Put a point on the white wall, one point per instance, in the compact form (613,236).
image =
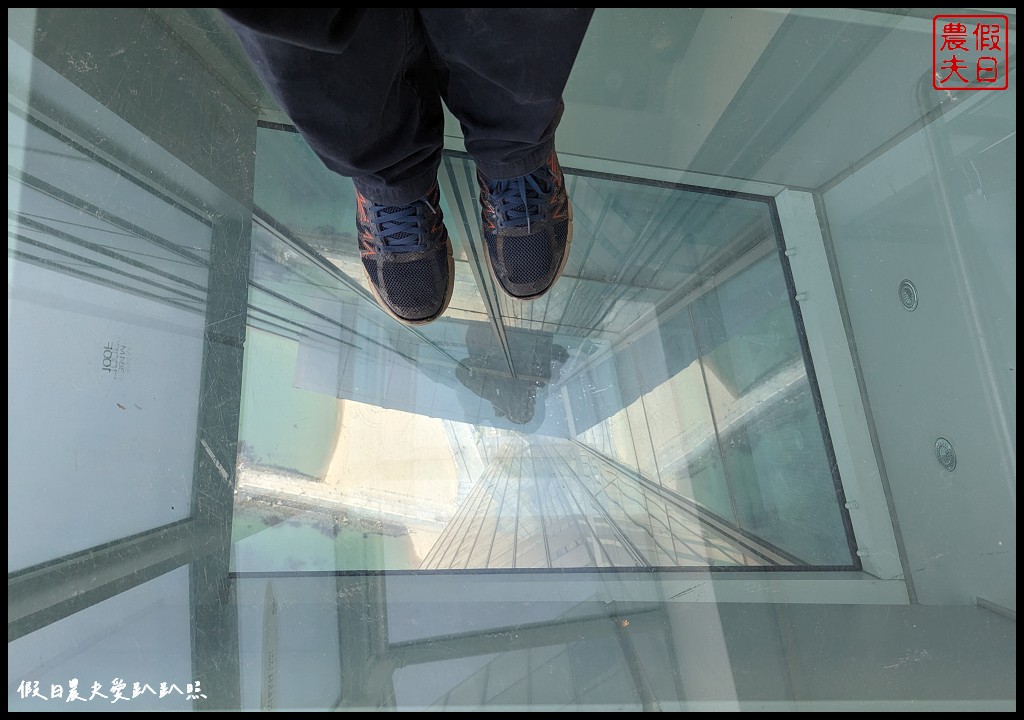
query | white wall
(939,209)
(95,453)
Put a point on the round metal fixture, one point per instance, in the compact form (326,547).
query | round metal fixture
(945,454)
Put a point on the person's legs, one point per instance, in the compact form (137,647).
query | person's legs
(502,73)
(359,86)
(363,87)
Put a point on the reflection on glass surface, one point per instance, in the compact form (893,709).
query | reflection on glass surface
(699,474)
(668,421)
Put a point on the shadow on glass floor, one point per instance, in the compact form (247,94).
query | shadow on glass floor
(653,410)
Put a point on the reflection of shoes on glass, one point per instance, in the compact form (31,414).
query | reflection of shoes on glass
(527,224)
(407,257)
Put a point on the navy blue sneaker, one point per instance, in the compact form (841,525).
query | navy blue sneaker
(527,225)
(407,256)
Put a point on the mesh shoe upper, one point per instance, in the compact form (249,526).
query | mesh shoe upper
(527,226)
(407,256)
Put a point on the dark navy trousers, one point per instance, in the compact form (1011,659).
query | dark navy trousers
(364,86)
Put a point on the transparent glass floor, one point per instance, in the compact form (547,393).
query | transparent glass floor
(653,410)
(755,450)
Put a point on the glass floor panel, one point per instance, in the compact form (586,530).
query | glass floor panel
(654,410)
(756,450)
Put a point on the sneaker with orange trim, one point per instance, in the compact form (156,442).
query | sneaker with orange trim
(407,256)
(527,227)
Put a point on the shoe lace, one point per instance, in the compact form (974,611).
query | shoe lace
(398,227)
(521,201)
